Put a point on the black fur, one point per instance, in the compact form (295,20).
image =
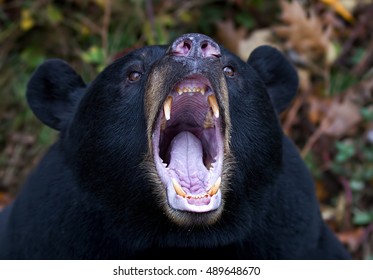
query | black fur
(90,197)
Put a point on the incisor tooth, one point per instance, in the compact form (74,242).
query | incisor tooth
(214,105)
(214,189)
(167,107)
(178,188)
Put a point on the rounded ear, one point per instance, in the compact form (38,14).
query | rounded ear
(277,73)
(53,92)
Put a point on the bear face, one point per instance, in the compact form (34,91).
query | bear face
(170,147)
(172,118)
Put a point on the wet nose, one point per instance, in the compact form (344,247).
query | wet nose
(195,45)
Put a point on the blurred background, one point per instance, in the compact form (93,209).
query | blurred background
(329,41)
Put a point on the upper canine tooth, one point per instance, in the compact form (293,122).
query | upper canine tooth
(214,105)
(167,107)
(214,189)
(178,188)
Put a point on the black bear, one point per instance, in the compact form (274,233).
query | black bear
(171,152)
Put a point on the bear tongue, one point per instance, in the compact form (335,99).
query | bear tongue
(186,162)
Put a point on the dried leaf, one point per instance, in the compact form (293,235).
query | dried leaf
(256,39)
(352,238)
(342,118)
(318,108)
(322,194)
(4,200)
(303,33)
(229,35)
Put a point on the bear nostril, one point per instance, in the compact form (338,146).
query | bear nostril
(209,48)
(183,48)
(195,45)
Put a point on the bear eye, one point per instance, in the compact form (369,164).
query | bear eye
(134,76)
(228,71)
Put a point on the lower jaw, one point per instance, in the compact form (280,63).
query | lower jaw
(180,203)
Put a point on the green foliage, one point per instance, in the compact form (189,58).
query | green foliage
(53,13)
(313,165)
(357,185)
(345,151)
(95,55)
(245,20)
(367,113)
(340,81)
(362,218)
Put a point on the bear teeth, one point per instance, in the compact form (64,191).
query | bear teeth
(211,99)
(212,191)
(167,107)
(214,105)
(182,90)
(178,188)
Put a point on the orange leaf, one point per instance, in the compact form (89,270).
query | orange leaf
(339,9)
(351,238)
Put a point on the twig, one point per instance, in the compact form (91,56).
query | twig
(291,115)
(105,29)
(365,62)
(348,195)
(150,14)
(94,28)
(312,140)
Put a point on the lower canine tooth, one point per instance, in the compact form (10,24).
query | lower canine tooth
(214,189)
(214,105)
(178,188)
(167,107)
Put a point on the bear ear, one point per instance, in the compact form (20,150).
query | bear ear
(278,74)
(53,92)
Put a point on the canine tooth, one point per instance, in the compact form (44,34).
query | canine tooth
(178,188)
(214,189)
(214,105)
(167,107)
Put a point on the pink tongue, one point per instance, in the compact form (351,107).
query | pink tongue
(186,159)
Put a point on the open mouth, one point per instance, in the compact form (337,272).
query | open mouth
(188,146)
